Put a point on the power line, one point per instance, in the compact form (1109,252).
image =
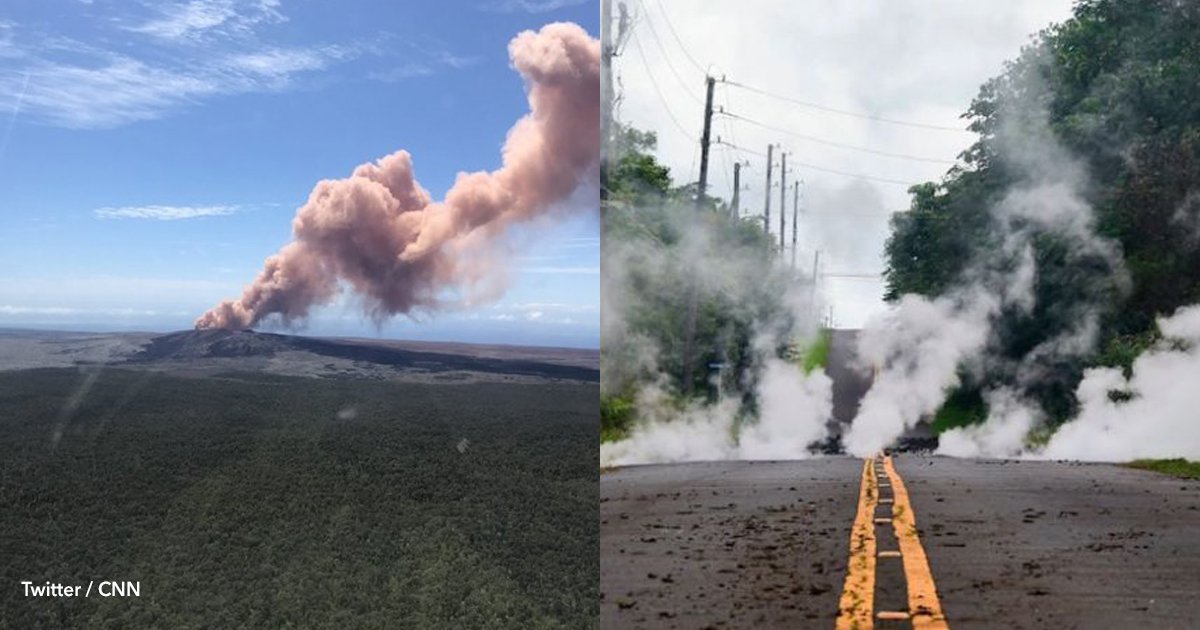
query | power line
(674,34)
(741,148)
(882,180)
(725,171)
(831,143)
(728,167)
(735,147)
(843,112)
(874,216)
(732,145)
(854,276)
(667,58)
(814,167)
(725,154)
(654,83)
(846,273)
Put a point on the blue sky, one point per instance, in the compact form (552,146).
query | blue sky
(152,154)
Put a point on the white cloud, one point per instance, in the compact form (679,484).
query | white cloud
(199,18)
(7,46)
(577,243)
(421,63)
(88,292)
(181,55)
(406,70)
(529,6)
(117,89)
(589,271)
(210,48)
(554,307)
(10,310)
(455,61)
(164,213)
(551,313)
(276,63)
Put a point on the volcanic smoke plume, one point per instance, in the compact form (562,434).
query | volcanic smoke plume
(379,231)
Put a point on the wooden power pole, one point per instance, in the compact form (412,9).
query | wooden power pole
(795,216)
(782,200)
(767,196)
(704,140)
(737,190)
(689,343)
(606,95)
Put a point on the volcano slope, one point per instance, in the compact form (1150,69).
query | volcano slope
(247,497)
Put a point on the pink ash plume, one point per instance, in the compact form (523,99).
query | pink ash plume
(381,233)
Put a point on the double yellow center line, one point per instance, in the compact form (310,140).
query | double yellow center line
(857,607)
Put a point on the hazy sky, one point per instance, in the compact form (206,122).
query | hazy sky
(915,61)
(152,154)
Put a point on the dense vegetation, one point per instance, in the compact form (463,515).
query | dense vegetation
(816,355)
(663,252)
(1177,467)
(249,501)
(1119,86)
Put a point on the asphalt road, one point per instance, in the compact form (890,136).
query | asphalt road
(1010,544)
(850,383)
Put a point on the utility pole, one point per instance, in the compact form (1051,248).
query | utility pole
(689,343)
(704,140)
(737,189)
(606,95)
(782,200)
(767,195)
(795,216)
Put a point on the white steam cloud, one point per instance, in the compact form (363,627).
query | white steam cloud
(793,407)
(1158,420)
(917,348)
(920,347)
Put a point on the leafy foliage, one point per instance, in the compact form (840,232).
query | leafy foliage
(816,355)
(249,502)
(1177,467)
(964,406)
(637,178)
(616,417)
